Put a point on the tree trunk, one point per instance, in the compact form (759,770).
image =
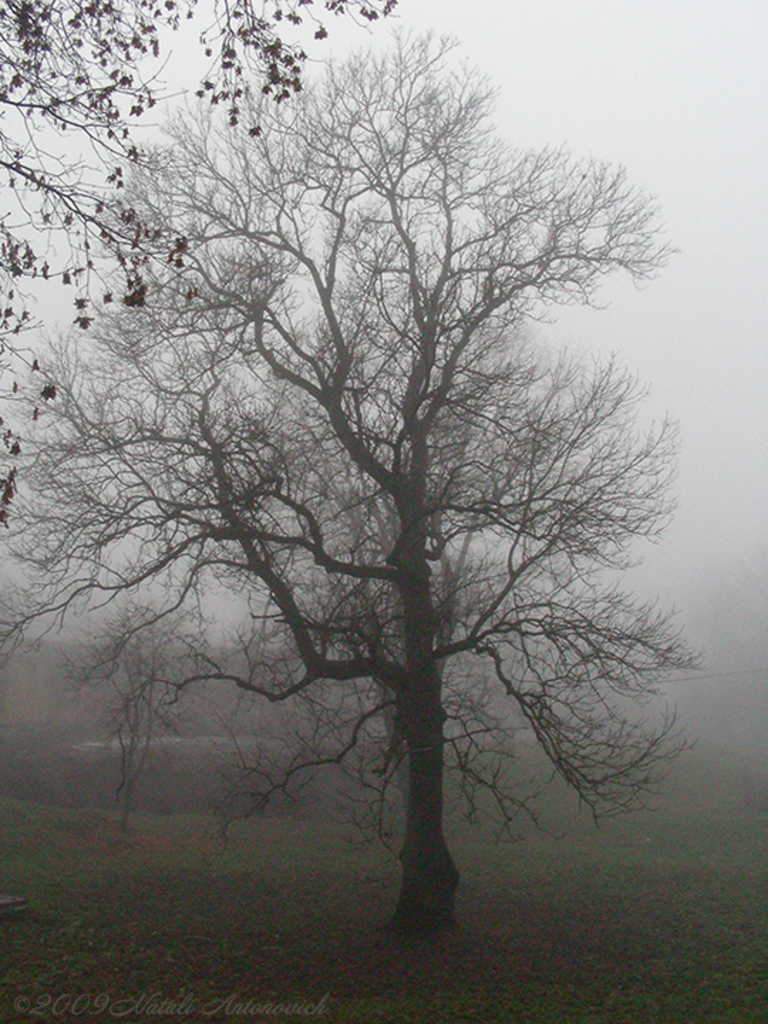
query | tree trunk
(430,878)
(401,783)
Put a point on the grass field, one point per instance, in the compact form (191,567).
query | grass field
(658,917)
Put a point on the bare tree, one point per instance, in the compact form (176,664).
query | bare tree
(333,407)
(131,670)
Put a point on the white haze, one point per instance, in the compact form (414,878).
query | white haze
(676,92)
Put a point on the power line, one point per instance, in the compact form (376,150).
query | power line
(721,675)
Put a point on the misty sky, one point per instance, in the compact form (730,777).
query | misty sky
(676,91)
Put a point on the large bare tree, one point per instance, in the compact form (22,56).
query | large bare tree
(331,409)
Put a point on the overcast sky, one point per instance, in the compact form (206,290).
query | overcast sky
(677,92)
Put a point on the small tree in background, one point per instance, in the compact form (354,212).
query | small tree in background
(331,410)
(130,670)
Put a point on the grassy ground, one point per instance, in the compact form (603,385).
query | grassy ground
(660,917)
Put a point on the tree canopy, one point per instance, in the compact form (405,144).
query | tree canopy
(333,408)
(75,79)
(90,70)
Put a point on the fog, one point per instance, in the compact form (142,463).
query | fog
(674,92)
(194,809)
